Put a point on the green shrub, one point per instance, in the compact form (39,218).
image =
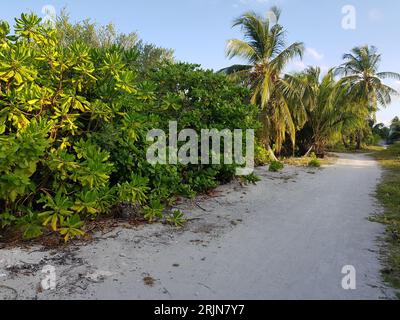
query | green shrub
(251,178)
(176,218)
(154,210)
(73,125)
(314,162)
(261,156)
(276,166)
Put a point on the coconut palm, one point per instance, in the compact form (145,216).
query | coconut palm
(329,106)
(361,71)
(264,48)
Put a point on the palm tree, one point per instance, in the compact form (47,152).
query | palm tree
(329,106)
(360,71)
(264,48)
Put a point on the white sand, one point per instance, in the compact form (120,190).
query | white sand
(286,238)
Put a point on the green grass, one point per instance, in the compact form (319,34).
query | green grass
(373,149)
(365,149)
(388,193)
(276,166)
(314,163)
(309,161)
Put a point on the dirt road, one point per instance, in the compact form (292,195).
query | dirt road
(286,238)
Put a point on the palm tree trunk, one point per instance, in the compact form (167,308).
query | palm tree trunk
(309,151)
(271,153)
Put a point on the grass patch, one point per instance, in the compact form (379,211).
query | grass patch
(352,149)
(309,161)
(373,149)
(276,166)
(388,193)
(314,163)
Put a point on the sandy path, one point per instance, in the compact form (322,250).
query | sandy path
(286,238)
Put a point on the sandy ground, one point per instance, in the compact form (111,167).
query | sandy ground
(288,237)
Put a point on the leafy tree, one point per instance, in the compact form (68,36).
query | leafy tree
(142,56)
(394,134)
(91,34)
(381,130)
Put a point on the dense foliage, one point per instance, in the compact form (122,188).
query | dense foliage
(302,112)
(330,107)
(394,131)
(73,123)
(77,102)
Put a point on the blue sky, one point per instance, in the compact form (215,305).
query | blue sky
(198,29)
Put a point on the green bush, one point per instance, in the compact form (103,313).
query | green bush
(314,162)
(276,166)
(251,178)
(261,156)
(73,125)
(176,218)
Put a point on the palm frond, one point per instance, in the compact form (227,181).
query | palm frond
(240,48)
(235,68)
(388,75)
(285,56)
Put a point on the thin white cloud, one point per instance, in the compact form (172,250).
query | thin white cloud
(313,53)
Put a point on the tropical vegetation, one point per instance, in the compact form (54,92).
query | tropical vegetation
(265,50)
(75,108)
(77,101)
(388,193)
(311,109)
